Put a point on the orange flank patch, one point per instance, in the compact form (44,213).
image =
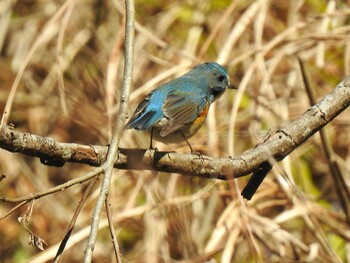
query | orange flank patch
(201,117)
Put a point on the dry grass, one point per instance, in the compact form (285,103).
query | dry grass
(62,61)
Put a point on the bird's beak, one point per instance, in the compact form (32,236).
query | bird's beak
(231,86)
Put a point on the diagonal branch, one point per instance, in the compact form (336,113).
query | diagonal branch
(277,146)
(112,154)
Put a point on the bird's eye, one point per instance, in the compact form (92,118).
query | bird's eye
(221,78)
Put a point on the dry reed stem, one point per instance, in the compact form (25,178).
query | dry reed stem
(296,198)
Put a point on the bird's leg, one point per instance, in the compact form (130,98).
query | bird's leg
(150,143)
(189,145)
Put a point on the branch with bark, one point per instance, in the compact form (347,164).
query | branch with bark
(276,147)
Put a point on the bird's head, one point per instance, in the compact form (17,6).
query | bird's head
(216,78)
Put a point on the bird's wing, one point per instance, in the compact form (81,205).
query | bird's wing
(181,108)
(144,118)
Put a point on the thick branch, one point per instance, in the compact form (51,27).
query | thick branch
(278,146)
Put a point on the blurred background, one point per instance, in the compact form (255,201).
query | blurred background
(64,60)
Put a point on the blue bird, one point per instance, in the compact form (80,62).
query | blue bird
(176,110)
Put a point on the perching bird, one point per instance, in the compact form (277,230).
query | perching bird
(176,110)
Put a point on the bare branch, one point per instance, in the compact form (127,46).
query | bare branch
(278,146)
(87,193)
(112,155)
(115,244)
(55,189)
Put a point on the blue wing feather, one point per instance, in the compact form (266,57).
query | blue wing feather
(175,100)
(148,113)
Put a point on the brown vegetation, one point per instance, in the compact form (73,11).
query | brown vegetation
(59,59)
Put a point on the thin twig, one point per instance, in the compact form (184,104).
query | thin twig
(25,199)
(14,209)
(70,228)
(118,128)
(115,244)
(55,189)
(338,178)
